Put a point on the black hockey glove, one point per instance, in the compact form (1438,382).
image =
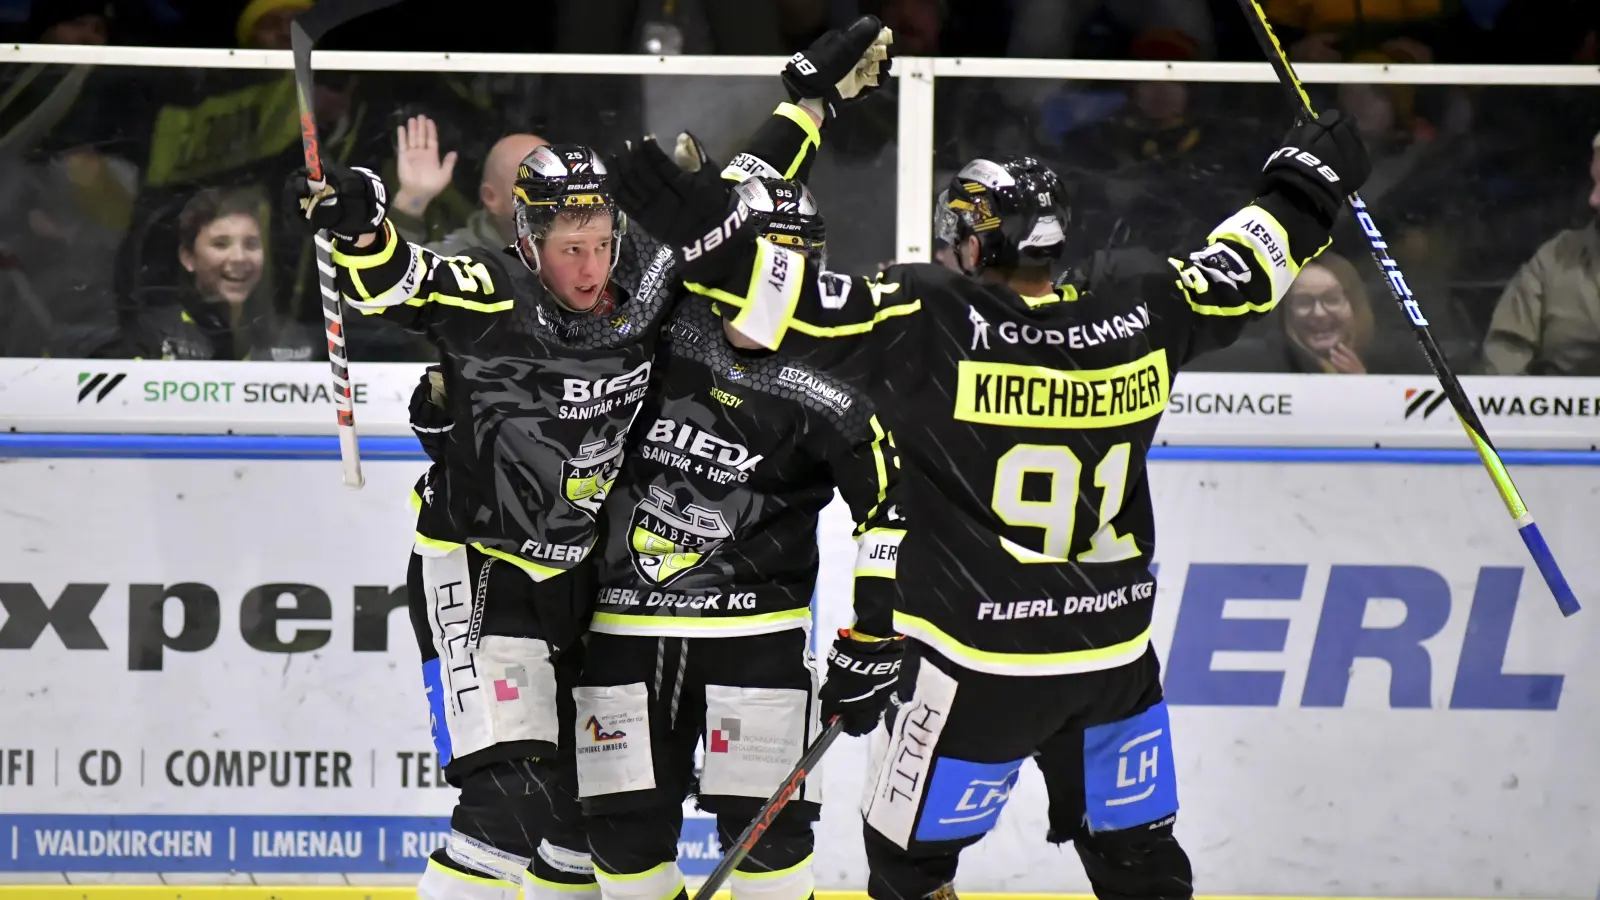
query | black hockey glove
(1321,163)
(694,212)
(352,202)
(843,65)
(861,679)
(430,417)
(661,197)
(691,156)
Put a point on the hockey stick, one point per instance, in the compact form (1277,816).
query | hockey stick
(757,827)
(1419,325)
(306,29)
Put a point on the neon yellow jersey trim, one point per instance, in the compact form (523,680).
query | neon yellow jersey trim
(813,139)
(1068,663)
(391,240)
(700,626)
(538,572)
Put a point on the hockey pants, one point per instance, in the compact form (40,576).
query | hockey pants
(499,693)
(953,747)
(643,706)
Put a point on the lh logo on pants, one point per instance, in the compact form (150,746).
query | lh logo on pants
(1146,766)
(1126,784)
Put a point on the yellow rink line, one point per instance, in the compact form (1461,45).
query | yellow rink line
(309,892)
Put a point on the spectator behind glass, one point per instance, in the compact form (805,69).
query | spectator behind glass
(1335,30)
(264,24)
(1324,324)
(423,175)
(220,313)
(1548,319)
(1327,318)
(70,21)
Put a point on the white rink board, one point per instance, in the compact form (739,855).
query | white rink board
(1216,408)
(1301,786)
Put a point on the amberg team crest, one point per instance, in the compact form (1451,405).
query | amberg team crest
(668,544)
(588,477)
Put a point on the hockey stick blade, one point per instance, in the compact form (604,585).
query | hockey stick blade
(774,805)
(1401,291)
(306,29)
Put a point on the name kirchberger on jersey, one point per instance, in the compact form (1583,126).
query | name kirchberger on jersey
(993,393)
(584,398)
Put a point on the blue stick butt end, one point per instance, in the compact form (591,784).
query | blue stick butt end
(1565,599)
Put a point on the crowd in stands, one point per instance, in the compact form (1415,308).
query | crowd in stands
(145,221)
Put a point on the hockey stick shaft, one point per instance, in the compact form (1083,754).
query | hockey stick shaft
(1401,291)
(758,827)
(304,32)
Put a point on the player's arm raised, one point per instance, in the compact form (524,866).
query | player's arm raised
(381,273)
(1250,259)
(778,296)
(864,662)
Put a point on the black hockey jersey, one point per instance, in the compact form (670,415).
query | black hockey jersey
(541,397)
(1024,422)
(711,529)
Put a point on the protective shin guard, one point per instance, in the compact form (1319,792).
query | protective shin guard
(664,882)
(635,853)
(444,881)
(560,874)
(1136,864)
(779,866)
(894,874)
(793,883)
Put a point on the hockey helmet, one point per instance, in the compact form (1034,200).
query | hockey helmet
(786,213)
(556,180)
(1015,206)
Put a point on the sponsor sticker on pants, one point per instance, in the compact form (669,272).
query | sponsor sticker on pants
(613,739)
(1128,777)
(965,798)
(754,736)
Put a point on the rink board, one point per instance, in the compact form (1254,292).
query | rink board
(1373,694)
(99,892)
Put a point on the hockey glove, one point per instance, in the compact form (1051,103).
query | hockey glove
(1320,164)
(862,674)
(657,194)
(695,212)
(430,418)
(352,201)
(691,156)
(842,65)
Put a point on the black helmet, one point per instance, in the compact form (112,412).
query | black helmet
(1015,207)
(784,212)
(557,179)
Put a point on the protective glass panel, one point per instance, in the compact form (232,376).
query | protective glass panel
(146,214)
(1468,184)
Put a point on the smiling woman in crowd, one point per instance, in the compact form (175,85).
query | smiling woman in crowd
(1323,325)
(222,311)
(1327,319)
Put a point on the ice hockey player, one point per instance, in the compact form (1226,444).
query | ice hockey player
(708,563)
(1023,413)
(546,349)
